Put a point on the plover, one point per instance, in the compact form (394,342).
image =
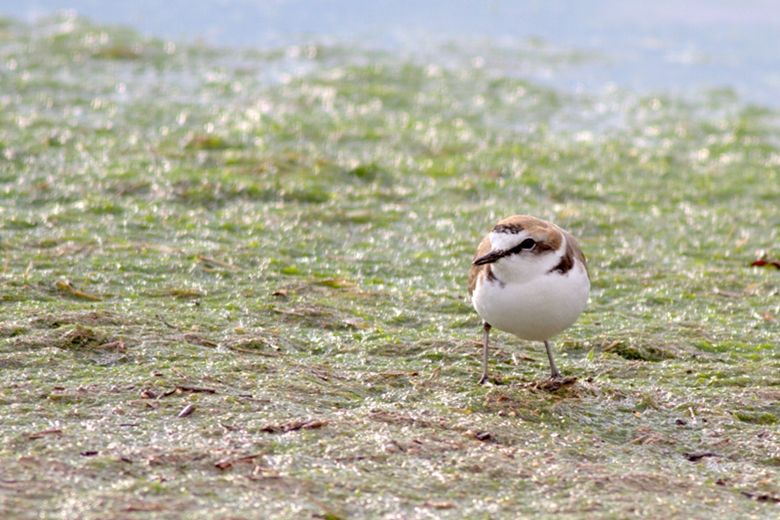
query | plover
(530,278)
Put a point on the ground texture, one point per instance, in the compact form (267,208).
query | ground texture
(234,286)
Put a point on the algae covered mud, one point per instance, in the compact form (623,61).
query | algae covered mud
(233,285)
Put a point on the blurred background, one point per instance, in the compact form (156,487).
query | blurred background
(667,45)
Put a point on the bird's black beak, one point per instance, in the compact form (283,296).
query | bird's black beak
(489,258)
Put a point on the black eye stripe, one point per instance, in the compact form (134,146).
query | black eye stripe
(526,245)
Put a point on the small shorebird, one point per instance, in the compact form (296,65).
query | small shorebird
(529,277)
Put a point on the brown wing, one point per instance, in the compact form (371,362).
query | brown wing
(482,249)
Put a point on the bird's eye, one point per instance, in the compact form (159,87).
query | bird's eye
(528,244)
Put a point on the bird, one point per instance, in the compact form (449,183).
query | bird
(530,278)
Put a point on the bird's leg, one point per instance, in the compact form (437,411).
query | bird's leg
(554,369)
(485,338)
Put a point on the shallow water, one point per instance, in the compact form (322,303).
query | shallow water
(670,46)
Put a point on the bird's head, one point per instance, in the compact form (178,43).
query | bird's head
(523,247)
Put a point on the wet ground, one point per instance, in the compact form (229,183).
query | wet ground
(234,282)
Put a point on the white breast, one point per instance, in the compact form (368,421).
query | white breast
(536,309)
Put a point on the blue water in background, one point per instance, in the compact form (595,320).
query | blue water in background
(664,45)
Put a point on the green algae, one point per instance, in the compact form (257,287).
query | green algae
(290,232)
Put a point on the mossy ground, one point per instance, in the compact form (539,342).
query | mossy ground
(282,239)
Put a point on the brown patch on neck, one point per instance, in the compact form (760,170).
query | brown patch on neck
(490,275)
(572,253)
(476,270)
(481,271)
(566,263)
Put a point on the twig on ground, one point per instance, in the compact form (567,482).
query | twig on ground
(695,457)
(761,497)
(228,463)
(187,410)
(294,425)
(44,433)
(66,287)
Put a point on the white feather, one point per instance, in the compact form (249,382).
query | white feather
(506,241)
